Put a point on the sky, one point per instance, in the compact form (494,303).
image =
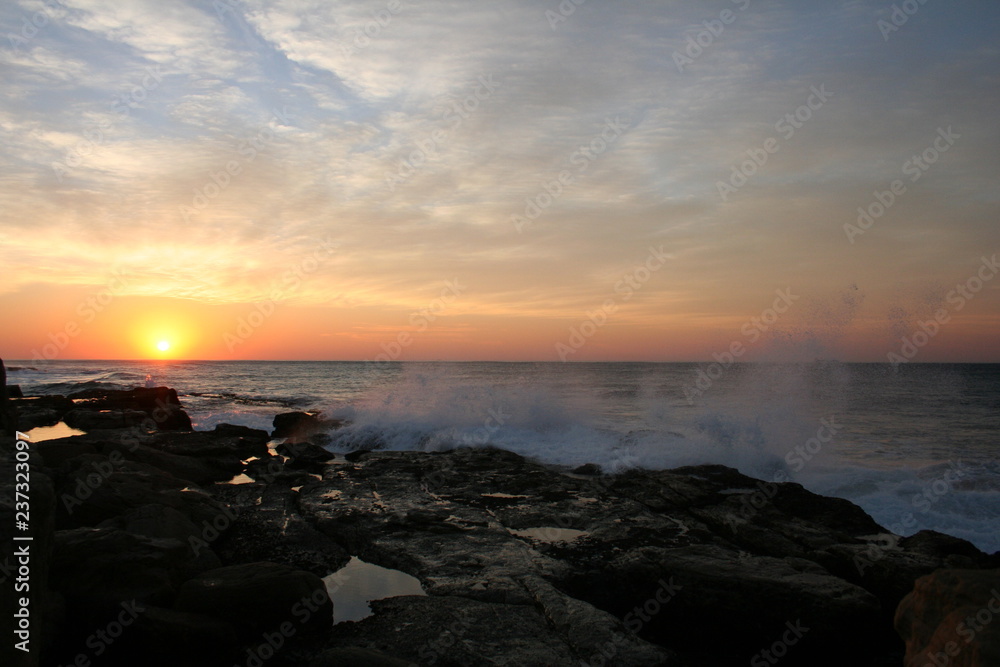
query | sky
(503,180)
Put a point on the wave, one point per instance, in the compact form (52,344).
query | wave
(777,442)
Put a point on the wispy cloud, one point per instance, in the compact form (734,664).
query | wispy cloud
(270,125)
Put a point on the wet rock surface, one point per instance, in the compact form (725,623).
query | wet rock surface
(951,617)
(522,564)
(678,558)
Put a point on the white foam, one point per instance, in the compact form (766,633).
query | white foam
(757,435)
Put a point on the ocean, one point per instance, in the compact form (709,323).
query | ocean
(917,447)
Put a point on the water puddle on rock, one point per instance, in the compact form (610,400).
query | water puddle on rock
(241,478)
(549,533)
(356,584)
(60,430)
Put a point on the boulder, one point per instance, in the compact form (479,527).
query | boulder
(92,420)
(162,522)
(37,411)
(98,569)
(952,618)
(357,657)
(166,638)
(267,526)
(297,426)
(101,488)
(260,597)
(454,631)
(59,452)
(197,469)
(160,404)
(236,431)
(305,455)
(232,443)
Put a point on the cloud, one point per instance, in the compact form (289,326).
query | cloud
(270,126)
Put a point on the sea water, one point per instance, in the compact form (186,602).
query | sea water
(915,446)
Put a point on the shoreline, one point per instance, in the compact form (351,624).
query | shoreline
(519,561)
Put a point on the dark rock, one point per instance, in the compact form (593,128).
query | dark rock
(950,619)
(268,527)
(100,488)
(234,443)
(235,431)
(305,455)
(196,469)
(260,597)
(191,456)
(36,411)
(160,521)
(265,469)
(14,390)
(92,420)
(160,404)
(746,557)
(296,426)
(56,453)
(357,657)
(321,439)
(588,469)
(455,631)
(940,546)
(99,569)
(167,638)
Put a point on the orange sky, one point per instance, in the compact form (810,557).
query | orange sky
(66,324)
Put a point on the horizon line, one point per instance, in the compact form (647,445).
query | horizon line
(43,362)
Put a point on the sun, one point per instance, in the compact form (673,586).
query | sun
(163,345)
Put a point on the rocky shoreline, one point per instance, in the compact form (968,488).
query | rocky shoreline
(144,553)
